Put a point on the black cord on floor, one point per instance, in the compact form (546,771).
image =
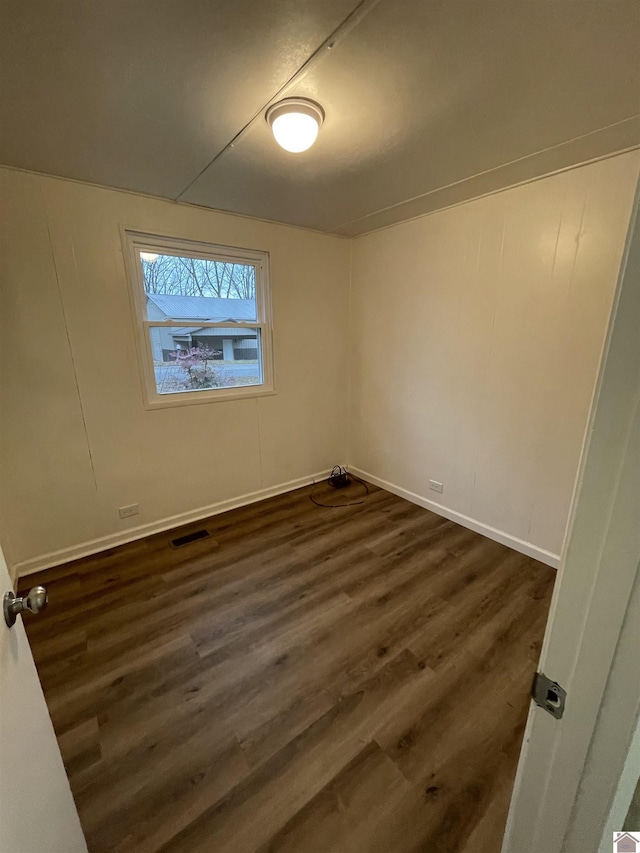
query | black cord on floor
(349,503)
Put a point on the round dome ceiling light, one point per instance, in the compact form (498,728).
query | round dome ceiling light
(295,123)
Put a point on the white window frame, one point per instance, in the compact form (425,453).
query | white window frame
(135,242)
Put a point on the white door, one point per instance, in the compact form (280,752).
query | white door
(37,812)
(597,575)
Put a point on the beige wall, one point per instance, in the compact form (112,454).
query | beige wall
(76,440)
(476,338)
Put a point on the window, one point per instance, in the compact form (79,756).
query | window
(203,318)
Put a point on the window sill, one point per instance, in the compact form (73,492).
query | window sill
(198,398)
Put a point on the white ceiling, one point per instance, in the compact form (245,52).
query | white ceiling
(428,102)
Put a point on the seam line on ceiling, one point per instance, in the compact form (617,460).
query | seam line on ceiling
(337,228)
(344,27)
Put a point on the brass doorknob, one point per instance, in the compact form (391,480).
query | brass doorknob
(35,601)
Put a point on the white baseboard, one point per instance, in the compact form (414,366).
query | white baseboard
(520,545)
(94,546)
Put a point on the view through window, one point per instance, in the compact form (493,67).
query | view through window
(203,317)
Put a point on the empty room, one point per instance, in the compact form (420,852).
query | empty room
(319,388)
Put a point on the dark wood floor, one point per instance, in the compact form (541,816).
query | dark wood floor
(306,679)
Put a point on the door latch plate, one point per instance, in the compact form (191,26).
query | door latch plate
(548,695)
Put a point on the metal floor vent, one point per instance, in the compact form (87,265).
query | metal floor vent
(180,541)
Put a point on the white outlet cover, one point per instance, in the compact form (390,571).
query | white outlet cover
(128,511)
(436,486)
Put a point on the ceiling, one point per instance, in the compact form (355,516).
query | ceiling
(428,102)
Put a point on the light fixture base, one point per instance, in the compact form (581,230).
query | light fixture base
(295,105)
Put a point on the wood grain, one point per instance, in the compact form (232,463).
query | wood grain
(305,679)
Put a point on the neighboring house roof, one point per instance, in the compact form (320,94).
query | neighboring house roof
(211,331)
(625,841)
(203,307)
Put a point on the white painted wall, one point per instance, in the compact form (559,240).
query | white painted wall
(476,338)
(76,440)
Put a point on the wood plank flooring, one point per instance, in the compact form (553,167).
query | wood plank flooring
(305,679)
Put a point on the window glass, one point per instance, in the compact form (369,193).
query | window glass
(191,358)
(188,288)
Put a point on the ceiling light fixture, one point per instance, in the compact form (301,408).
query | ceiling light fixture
(295,123)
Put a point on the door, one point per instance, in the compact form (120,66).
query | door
(37,812)
(599,566)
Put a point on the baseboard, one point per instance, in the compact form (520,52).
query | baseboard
(103,543)
(520,545)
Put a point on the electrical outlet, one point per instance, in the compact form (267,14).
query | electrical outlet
(128,511)
(435,486)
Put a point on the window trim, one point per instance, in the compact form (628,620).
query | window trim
(138,241)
